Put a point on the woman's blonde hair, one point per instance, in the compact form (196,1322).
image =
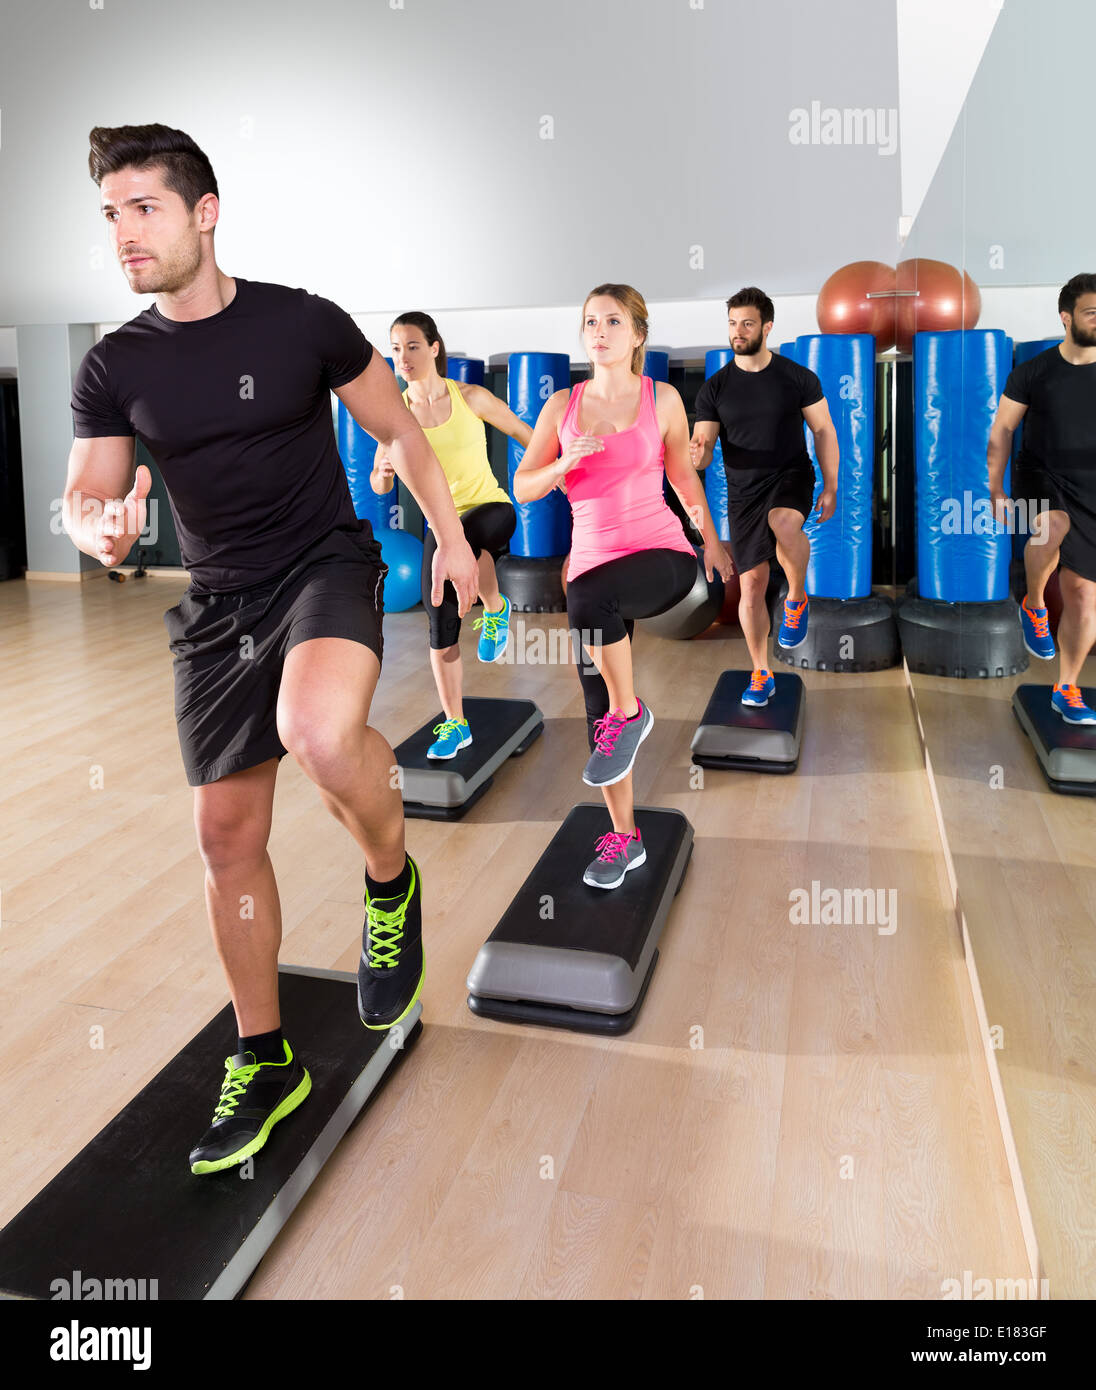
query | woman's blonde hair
(634,305)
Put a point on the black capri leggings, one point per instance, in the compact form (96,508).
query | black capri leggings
(603,604)
(485,528)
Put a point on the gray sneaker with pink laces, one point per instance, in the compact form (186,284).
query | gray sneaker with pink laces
(616,854)
(616,742)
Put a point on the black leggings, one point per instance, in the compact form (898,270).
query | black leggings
(489,528)
(603,604)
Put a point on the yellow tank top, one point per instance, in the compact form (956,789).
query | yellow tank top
(461,447)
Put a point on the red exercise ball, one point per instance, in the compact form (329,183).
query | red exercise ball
(944,299)
(844,306)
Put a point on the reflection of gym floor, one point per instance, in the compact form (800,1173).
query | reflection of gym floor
(834,1137)
(1025,867)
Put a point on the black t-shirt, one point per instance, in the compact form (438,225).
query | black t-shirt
(236,410)
(1060,424)
(760,413)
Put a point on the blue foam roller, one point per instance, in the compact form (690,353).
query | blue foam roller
(465,369)
(787,350)
(656,364)
(840,564)
(402,553)
(543,527)
(962,552)
(715,477)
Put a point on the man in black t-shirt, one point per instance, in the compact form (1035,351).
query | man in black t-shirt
(277,641)
(1054,489)
(756,406)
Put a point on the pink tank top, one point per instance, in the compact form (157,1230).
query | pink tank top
(616,496)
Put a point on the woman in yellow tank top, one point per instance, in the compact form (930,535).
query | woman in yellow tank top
(452,414)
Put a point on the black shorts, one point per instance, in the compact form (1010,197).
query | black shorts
(1072,493)
(751,495)
(229,649)
(487,527)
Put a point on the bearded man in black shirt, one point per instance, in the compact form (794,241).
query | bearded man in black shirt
(756,407)
(1054,489)
(277,641)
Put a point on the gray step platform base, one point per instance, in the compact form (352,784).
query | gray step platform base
(737,736)
(444,789)
(1066,752)
(127,1210)
(565,955)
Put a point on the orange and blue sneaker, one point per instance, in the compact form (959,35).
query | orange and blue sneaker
(495,634)
(452,736)
(391,969)
(1069,703)
(793,625)
(760,690)
(1036,627)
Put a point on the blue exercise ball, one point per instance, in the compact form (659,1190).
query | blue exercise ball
(402,553)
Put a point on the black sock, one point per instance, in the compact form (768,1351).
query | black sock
(267,1047)
(398,886)
(638,712)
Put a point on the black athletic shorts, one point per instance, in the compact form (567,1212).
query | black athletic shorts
(1072,493)
(751,495)
(229,649)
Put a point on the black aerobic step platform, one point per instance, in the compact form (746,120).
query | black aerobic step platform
(445,788)
(734,735)
(1066,752)
(566,955)
(128,1207)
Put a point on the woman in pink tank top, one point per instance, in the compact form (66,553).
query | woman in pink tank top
(613,440)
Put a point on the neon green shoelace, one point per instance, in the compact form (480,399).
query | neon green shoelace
(232,1088)
(449,726)
(490,623)
(385,934)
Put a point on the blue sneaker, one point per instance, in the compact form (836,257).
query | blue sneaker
(1036,628)
(453,735)
(1069,703)
(760,690)
(496,632)
(793,625)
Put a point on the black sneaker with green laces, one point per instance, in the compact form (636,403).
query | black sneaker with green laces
(254,1097)
(391,969)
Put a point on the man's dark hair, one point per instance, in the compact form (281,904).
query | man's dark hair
(186,170)
(1072,291)
(753,298)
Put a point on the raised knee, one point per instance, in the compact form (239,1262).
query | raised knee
(322,749)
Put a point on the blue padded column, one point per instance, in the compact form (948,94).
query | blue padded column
(357,449)
(465,369)
(958,377)
(544,527)
(656,364)
(715,477)
(840,563)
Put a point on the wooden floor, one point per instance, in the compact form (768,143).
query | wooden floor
(835,1136)
(1025,869)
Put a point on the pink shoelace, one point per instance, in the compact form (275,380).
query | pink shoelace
(611,846)
(607,731)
